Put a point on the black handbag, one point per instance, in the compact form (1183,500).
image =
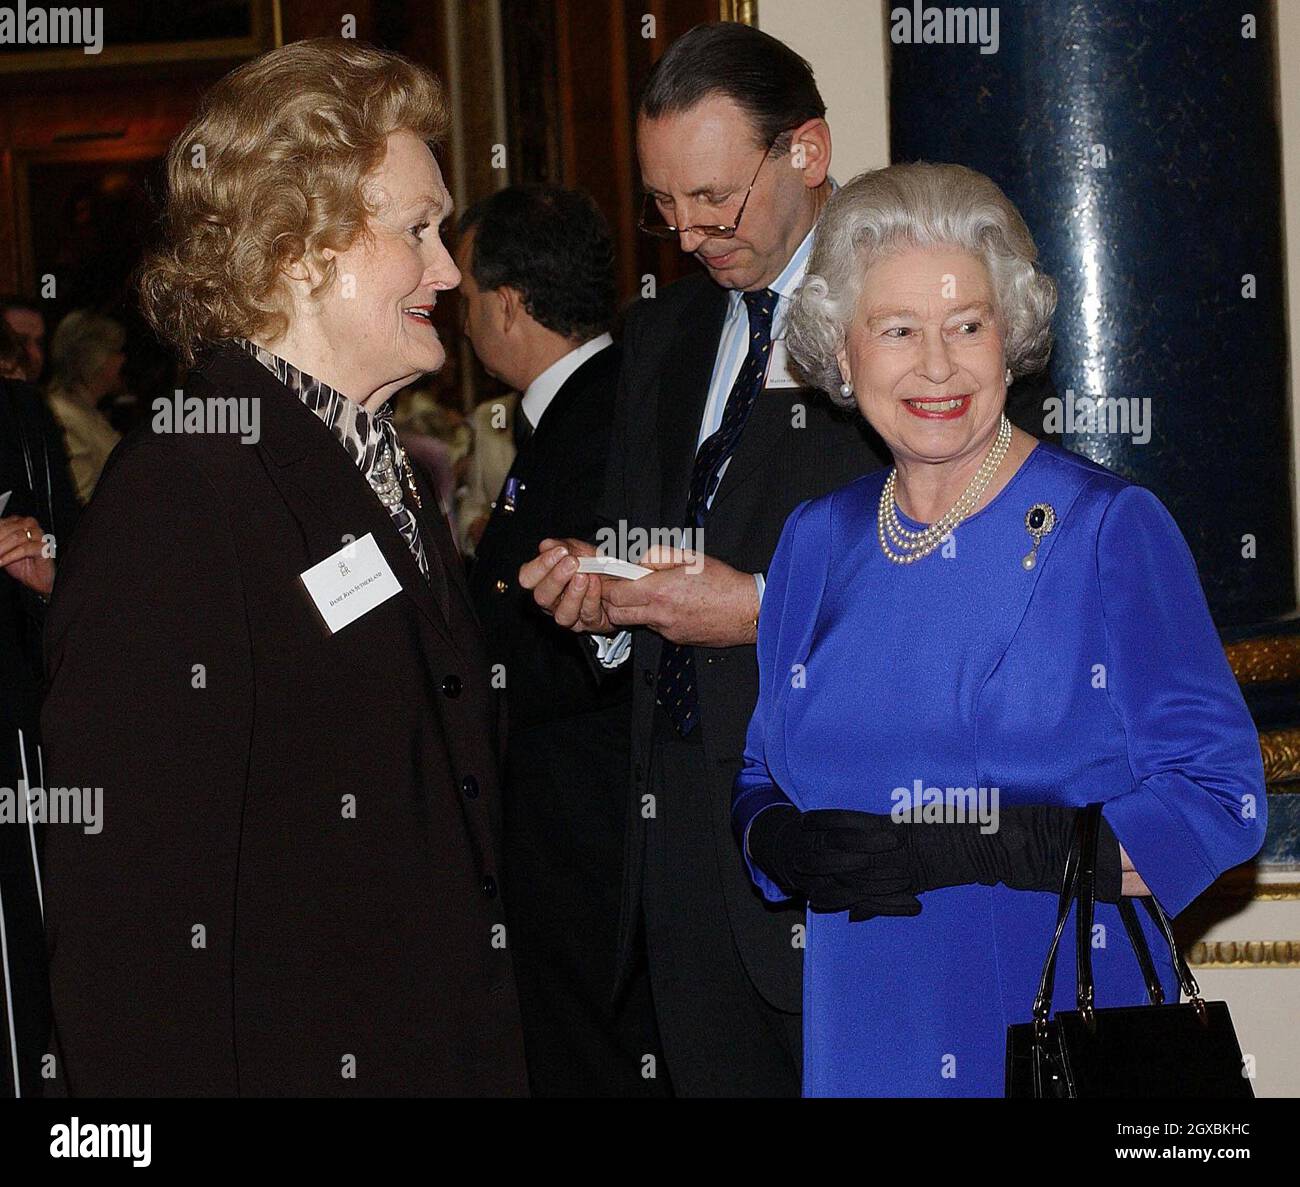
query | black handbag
(1182,1051)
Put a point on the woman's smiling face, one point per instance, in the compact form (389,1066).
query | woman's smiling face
(925,354)
(377,314)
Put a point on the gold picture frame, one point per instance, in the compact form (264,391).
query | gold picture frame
(743,11)
(266,32)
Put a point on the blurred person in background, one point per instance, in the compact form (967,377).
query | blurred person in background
(86,360)
(26,321)
(495,428)
(432,427)
(37,510)
(13,358)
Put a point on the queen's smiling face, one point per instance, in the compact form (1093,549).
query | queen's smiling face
(925,354)
(377,313)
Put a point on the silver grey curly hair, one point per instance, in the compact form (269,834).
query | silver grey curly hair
(918,205)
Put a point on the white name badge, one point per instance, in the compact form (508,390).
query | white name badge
(778,370)
(351,583)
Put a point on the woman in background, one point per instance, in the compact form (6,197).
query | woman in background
(86,366)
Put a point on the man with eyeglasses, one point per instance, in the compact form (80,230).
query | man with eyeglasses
(714,436)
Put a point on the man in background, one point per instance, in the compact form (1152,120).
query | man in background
(26,322)
(538,299)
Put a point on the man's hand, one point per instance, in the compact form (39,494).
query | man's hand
(22,554)
(691,598)
(573,599)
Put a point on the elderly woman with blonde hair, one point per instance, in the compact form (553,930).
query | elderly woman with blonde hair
(957,653)
(261,647)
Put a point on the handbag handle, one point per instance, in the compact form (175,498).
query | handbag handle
(1079,883)
(1069,883)
(1138,941)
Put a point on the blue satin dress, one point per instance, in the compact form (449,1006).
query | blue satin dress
(1097,674)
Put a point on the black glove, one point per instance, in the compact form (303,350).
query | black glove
(834,859)
(1027,852)
(870,865)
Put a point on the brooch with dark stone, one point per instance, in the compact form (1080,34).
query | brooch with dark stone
(1039,520)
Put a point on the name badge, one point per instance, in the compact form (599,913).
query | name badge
(778,370)
(350,583)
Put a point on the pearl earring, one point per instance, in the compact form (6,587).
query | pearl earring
(1008,376)
(846,390)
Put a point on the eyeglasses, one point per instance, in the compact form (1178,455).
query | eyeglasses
(661,230)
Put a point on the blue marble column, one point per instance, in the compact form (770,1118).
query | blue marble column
(1140,142)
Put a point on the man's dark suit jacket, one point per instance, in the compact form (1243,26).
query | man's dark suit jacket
(294,891)
(565,792)
(796,446)
(561,471)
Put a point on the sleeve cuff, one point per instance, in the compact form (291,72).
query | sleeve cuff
(1161,846)
(748,806)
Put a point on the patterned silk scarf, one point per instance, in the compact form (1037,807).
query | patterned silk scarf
(366,437)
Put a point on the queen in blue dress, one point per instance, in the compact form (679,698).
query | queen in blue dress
(994,623)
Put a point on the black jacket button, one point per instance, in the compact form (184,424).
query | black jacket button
(490,886)
(469,786)
(451,686)
(648,676)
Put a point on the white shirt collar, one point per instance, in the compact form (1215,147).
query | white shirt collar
(539,394)
(787,283)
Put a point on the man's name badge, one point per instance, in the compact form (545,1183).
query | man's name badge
(350,583)
(778,370)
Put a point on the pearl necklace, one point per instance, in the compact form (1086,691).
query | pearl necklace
(914,546)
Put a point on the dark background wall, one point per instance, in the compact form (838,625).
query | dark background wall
(82,140)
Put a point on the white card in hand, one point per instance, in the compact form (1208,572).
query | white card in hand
(611,566)
(351,583)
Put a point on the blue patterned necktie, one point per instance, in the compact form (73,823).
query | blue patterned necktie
(676,688)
